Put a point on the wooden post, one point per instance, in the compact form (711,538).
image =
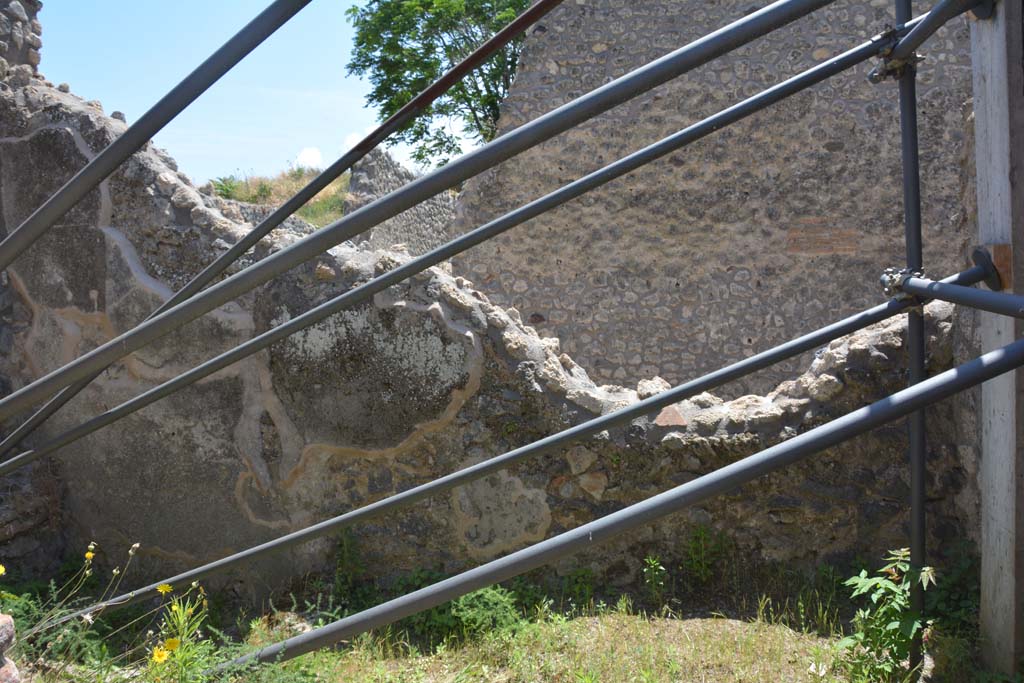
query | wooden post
(998,64)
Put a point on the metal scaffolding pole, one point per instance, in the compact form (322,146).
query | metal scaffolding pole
(917,372)
(993,302)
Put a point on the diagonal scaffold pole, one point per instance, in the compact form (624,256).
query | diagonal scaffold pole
(643,79)
(403,116)
(901,404)
(364,292)
(618,418)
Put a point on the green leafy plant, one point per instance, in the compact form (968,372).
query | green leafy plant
(578,587)
(655,575)
(705,551)
(182,654)
(878,649)
(402,46)
(487,610)
(228,187)
(435,625)
(352,591)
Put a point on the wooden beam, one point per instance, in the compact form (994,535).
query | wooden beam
(998,65)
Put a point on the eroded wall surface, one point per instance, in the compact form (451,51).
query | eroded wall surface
(761,231)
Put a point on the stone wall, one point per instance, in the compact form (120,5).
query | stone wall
(418,229)
(759,232)
(19,33)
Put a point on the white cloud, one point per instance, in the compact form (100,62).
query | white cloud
(401,153)
(309,157)
(353,139)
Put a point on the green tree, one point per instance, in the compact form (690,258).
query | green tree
(402,46)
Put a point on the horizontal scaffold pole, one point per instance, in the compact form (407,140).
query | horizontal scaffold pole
(549,444)
(939,15)
(993,302)
(140,132)
(366,291)
(641,80)
(589,535)
(403,116)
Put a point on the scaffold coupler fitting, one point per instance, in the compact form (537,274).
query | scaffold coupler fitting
(893,68)
(892,281)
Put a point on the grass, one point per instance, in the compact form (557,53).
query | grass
(327,206)
(774,624)
(614,647)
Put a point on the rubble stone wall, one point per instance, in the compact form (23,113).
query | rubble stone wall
(20,33)
(761,231)
(418,229)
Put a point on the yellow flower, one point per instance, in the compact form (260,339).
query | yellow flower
(164,588)
(89,555)
(171,644)
(160,654)
(3,570)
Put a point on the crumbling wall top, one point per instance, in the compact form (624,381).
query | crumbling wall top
(20,33)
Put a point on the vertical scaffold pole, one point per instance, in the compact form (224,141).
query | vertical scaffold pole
(915,318)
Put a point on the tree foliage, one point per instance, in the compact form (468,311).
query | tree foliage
(402,46)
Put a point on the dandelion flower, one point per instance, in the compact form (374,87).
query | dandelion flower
(3,570)
(160,654)
(92,546)
(134,549)
(164,588)
(172,644)
(89,555)
(116,571)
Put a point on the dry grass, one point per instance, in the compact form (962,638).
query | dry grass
(327,206)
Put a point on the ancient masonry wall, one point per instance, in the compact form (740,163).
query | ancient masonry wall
(20,32)
(759,232)
(418,229)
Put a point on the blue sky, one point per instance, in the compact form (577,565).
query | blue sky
(290,97)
